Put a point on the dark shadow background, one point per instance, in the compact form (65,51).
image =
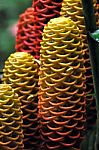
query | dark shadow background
(9,14)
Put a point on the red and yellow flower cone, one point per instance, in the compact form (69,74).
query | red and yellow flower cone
(61,96)
(74,10)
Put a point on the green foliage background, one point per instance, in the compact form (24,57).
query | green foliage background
(9,14)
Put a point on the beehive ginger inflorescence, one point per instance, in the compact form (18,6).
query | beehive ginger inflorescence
(11,133)
(74,10)
(61,95)
(21,72)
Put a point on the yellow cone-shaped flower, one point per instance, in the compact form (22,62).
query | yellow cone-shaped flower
(61,94)
(21,72)
(11,133)
(74,10)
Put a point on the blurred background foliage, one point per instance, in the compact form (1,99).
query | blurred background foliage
(9,14)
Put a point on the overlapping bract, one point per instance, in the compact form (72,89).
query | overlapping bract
(61,95)
(73,9)
(31,24)
(44,10)
(11,133)
(25,39)
(21,72)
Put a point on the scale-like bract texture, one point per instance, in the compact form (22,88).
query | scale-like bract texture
(61,95)
(11,133)
(74,10)
(44,10)
(25,39)
(21,72)
(31,24)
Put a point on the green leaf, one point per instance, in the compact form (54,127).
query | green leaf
(95,35)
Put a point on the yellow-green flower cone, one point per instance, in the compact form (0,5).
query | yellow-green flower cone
(21,72)
(61,95)
(11,133)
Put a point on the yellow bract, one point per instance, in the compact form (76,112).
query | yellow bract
(21,72)
(11,133)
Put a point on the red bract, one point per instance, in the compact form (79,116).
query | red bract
(31,24)
(44,10)
(25,39)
